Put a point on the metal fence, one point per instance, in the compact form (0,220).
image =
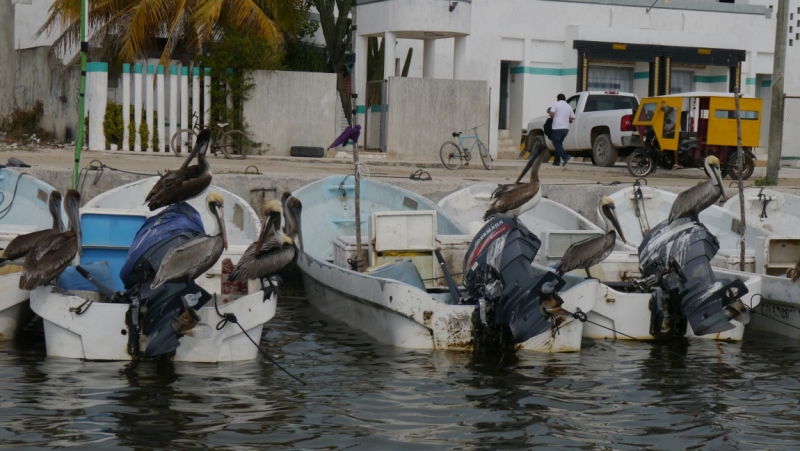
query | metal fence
(375,134)
(790,141)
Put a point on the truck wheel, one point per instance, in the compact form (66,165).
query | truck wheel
(731,168)
(603,152)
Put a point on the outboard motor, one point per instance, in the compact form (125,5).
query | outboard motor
(675,262)
(500,281)
(153,312)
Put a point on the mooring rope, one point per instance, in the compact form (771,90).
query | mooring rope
(7,208)
(231,318)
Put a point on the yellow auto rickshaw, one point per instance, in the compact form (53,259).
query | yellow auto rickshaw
(695,125)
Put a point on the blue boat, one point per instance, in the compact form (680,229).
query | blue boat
(400,298)
(23,209)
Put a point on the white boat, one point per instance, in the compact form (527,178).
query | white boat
(110,222)
(556,225)
(642,208)
(778,213)
(417,314)
(624,311)
(23,209)
(628,312)
(773,211)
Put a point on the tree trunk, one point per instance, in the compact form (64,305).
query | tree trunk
(344,96)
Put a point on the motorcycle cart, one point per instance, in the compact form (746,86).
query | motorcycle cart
(696,125)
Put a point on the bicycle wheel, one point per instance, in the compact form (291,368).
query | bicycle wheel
(451,155)
(182,140)
(235,144)
(485,156)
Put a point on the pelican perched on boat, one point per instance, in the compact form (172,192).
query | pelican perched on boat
(691,202)
(187,261)
(185,183)
(52,255)
(511,200)
(589,252)
(19,247)
(274,250)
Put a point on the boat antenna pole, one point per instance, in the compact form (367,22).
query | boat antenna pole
(81,95)
(739,153)
(356,163)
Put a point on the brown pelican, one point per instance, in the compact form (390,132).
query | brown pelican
(589,252)
(274,250)
(185,183)
(691,202)
(52,255)
(511,200)
(19,247)
(189,260)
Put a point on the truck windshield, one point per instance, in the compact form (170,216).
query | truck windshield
(609,102)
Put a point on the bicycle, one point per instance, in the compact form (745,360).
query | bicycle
(452,154)
(234,144)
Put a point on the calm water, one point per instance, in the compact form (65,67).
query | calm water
(362,395)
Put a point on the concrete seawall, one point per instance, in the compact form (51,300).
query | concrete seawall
(255,188)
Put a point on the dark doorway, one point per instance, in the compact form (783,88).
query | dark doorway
(503,120)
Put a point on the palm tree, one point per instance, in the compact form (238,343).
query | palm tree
(127,30)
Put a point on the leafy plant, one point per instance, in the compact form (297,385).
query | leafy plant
(764,181)
(231,61)
(112,124)
(21,123)
(132,130)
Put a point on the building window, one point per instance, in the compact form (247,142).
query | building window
(790,42)
(681,81)
(606,78)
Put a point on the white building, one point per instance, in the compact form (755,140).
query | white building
(530,50)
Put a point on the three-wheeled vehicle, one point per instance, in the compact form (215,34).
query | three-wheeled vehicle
(696,125)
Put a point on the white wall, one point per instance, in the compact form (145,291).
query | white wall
(292,109)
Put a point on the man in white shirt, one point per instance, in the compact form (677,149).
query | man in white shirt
(562,115)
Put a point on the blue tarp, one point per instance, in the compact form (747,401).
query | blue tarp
(169,222)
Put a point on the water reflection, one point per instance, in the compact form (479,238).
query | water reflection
(677,394)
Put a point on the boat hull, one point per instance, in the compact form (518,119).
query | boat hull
(100,333)
(779,311)
(14,309)
(629,313)
(400,315)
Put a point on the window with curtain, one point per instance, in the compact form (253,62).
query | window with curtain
(602,78)
(681,81)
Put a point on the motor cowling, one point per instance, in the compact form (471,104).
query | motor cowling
(499,278)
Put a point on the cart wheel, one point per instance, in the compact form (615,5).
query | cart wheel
(640,164)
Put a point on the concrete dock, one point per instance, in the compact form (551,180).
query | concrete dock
(578,185)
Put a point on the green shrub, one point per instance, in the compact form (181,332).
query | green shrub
(764,181)
(112,124)
(132,130)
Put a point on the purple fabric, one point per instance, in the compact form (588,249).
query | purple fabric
(348,134)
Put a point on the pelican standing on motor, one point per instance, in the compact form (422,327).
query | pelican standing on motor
(19,247)
(691,202)
(511,200)
(189,260)
(52,255)
(589,252)
(185,183)
(274,250)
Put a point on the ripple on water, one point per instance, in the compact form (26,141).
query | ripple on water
(363,395)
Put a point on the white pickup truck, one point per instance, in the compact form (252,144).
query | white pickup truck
(603,127)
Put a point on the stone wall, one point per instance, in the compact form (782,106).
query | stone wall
(29,75)
(292,109)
